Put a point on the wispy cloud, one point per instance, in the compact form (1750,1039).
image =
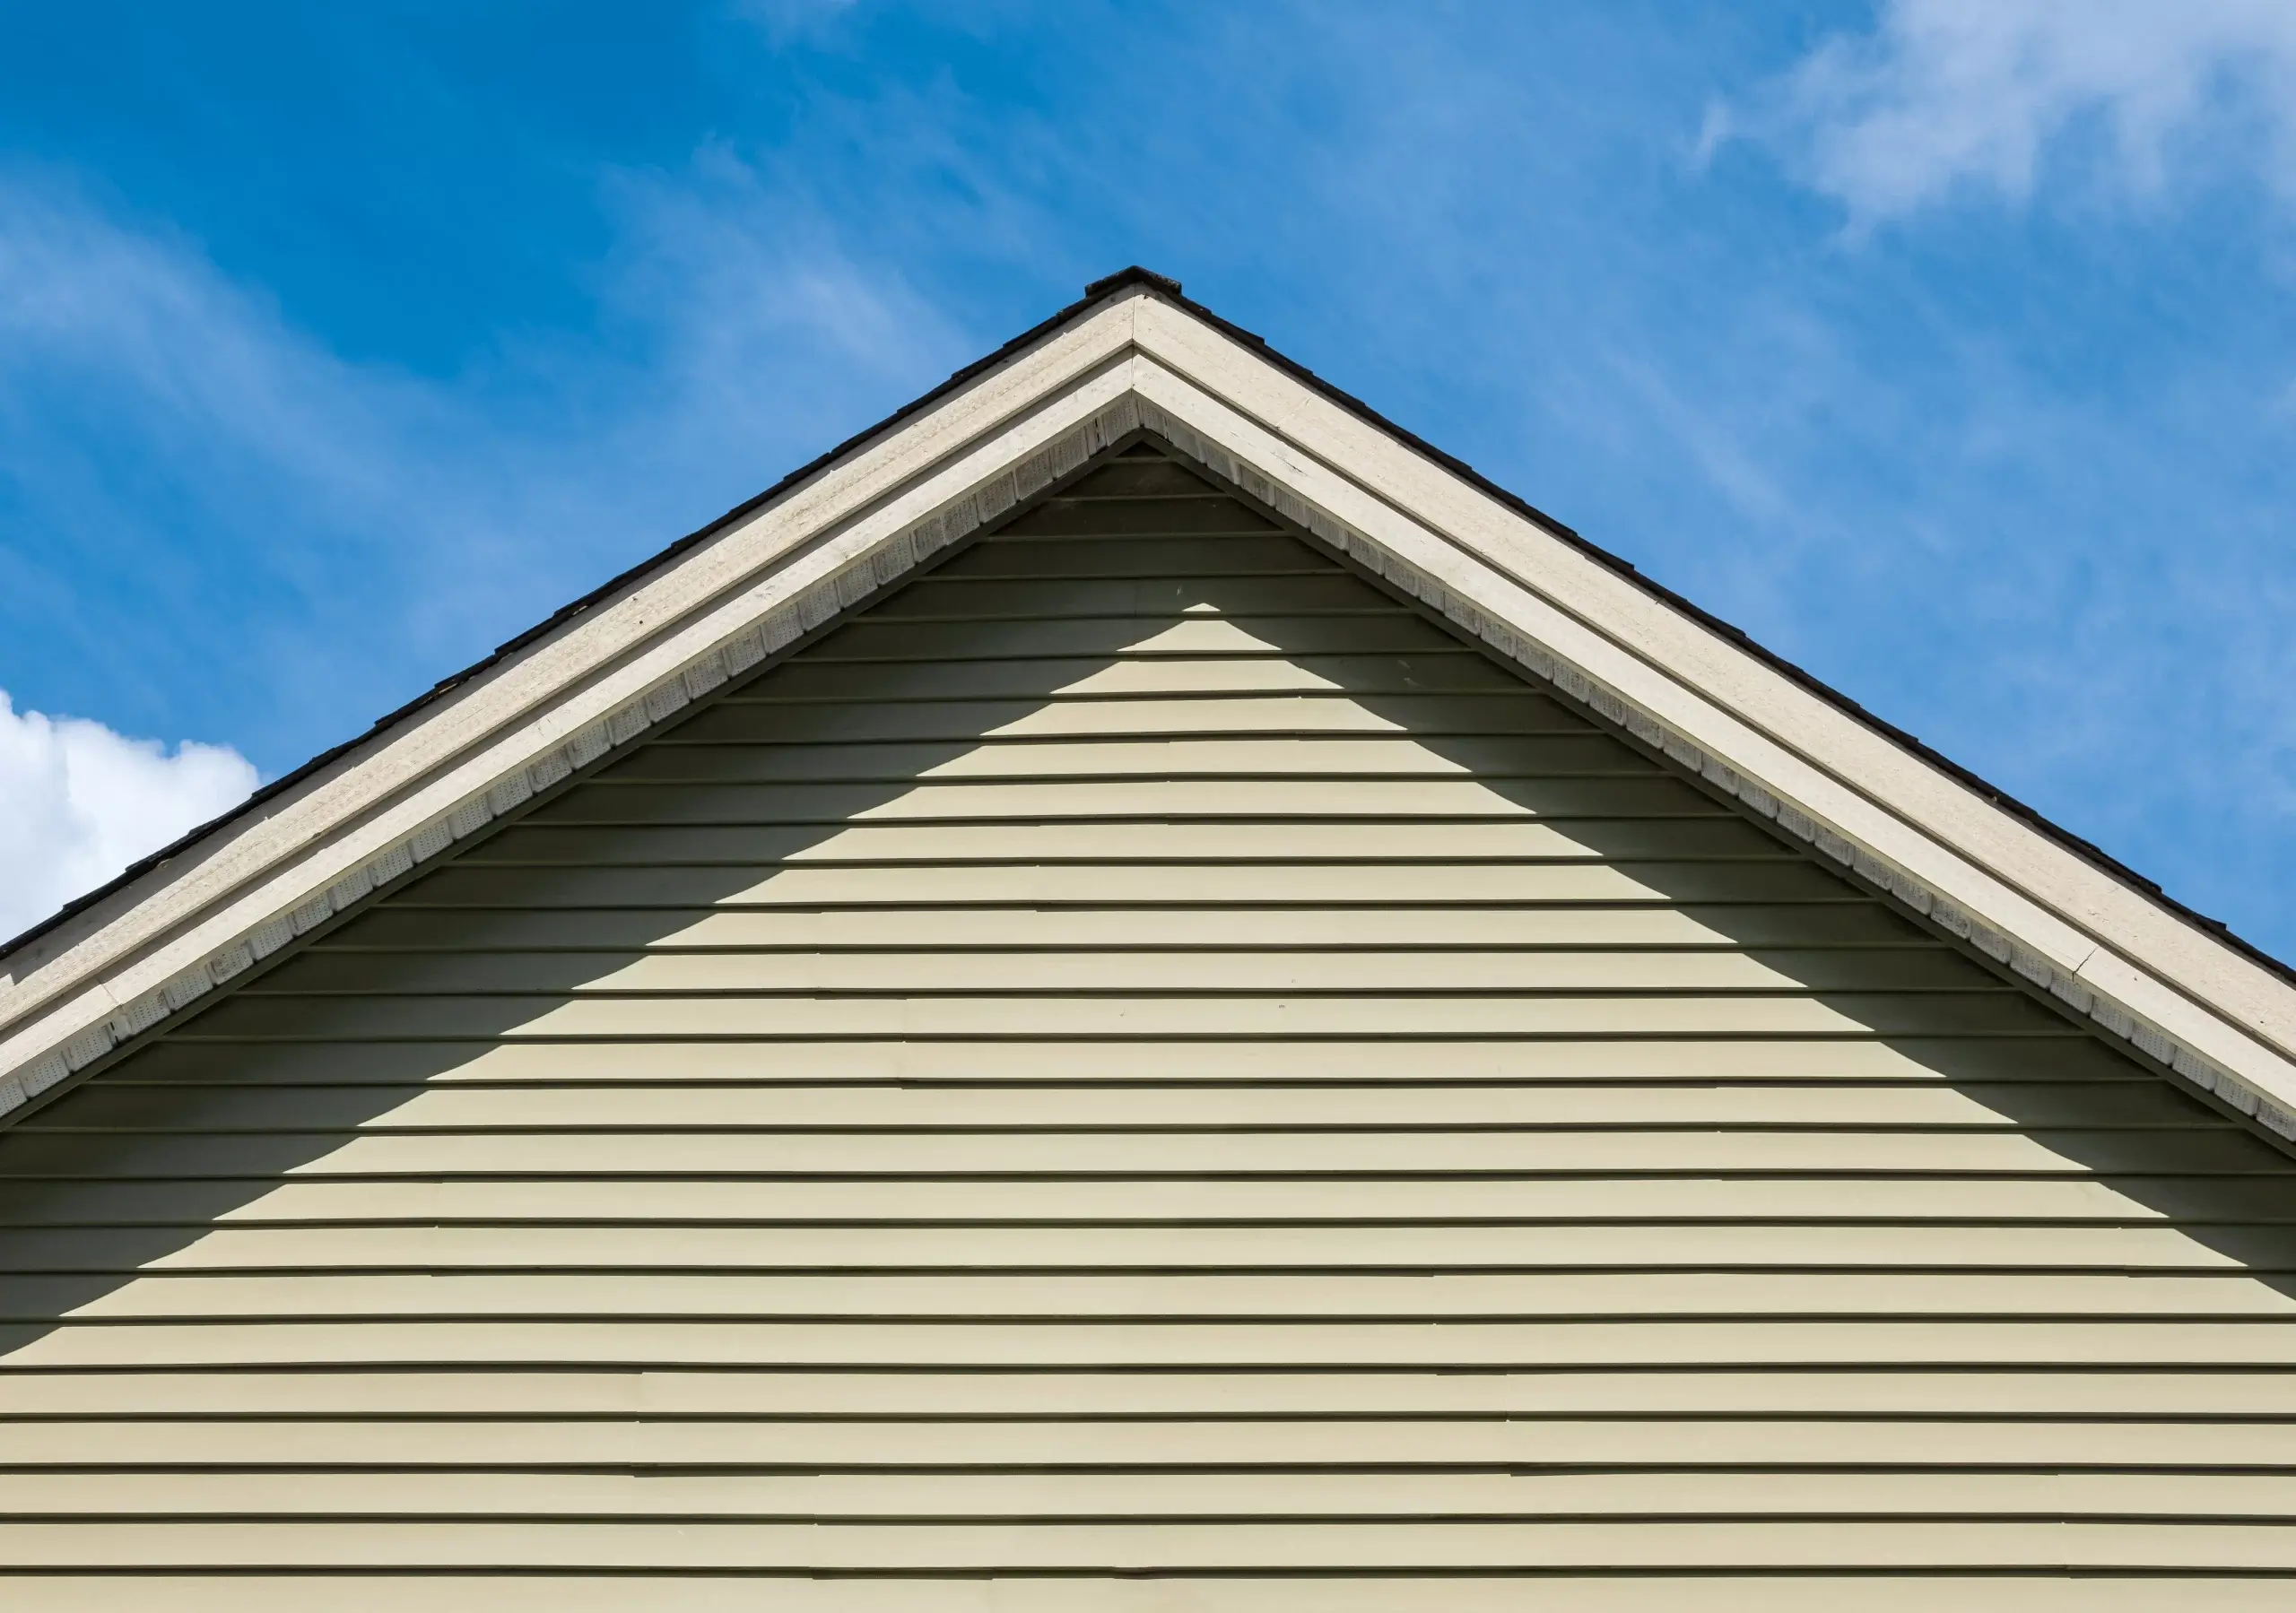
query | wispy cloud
(781,21)
(177,460)
(282,532)
(173,351)
(756,321)
(1951,95)
(79,802)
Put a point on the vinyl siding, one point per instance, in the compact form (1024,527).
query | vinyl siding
(1140,1074)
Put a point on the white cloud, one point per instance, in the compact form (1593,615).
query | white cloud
(1949,94)
(79,802)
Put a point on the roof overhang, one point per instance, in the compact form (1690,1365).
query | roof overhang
(1133,357)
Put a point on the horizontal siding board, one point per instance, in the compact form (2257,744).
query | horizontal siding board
(877,637)
(1309,590)
(1841,928)
(1149,881)
(2080,1343)
(2071,1194)
(1997,1394)
(1014,1013)
(1589,803)
(2107,1248)
(1408,1450)
(1139,1055)
(1050,717)
(989,1298)
(879,1549)
(1509,761)
(1469,681)
(2200,1394)
(986,1153)
(1409,1105)
(608,1498)
(1387,1060)
(1168,545)
(673,972)
(1149,839)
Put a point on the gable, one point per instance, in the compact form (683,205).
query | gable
(1135,356)
(1141,1064)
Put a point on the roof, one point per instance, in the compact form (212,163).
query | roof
(573,608)
(2192,995)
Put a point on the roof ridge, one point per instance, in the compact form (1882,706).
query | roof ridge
(1136,277)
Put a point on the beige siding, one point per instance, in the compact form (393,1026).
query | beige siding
(1140,1075)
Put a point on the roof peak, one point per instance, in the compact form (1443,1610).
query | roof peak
(557,699)
(1132,275)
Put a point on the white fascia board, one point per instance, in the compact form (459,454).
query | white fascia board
(1912,827)
(604,677)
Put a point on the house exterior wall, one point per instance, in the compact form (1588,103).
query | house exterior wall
(1140,1073)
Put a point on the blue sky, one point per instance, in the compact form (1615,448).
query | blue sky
(1945,345)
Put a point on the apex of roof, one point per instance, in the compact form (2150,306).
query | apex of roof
(1134,357)
(1125,279)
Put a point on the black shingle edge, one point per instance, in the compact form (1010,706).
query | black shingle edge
(1166,287)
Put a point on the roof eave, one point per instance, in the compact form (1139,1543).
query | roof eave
(1134,353)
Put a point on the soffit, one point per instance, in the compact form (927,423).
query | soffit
(1139,360)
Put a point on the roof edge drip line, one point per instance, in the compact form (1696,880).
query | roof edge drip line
(1129,359)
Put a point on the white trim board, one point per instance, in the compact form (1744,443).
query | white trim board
(1134,361)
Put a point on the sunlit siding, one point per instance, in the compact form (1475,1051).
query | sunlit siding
(1140,1074)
